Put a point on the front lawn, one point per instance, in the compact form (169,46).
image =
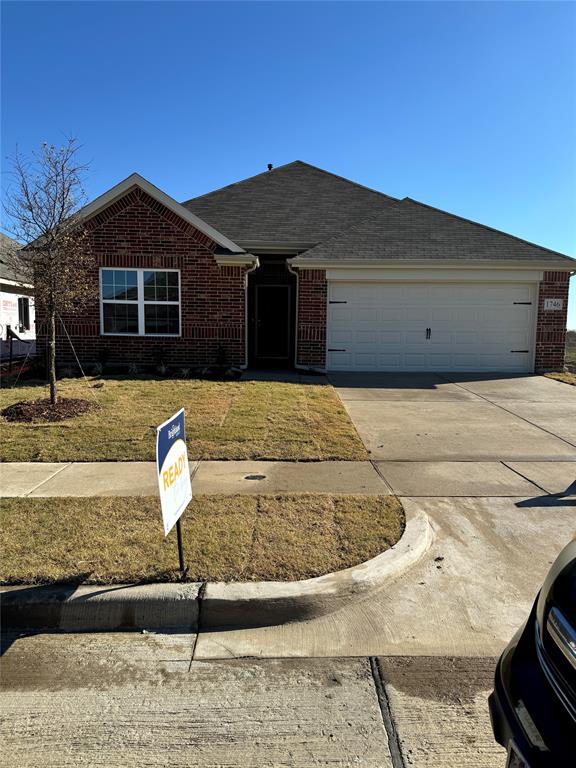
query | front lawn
(226,538)
(224,420)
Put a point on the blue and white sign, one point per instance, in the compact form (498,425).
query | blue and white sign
(173,470)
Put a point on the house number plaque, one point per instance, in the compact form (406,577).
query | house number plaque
(553,304)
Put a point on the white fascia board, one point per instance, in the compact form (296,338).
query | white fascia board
(135,180)
(435,275)
(479,264)
(236,260)
(16,283)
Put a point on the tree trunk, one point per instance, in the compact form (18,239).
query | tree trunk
(52,354)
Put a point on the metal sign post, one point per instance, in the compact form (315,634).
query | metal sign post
(183,568)
(173,476)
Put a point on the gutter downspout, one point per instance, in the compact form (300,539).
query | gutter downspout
(253,268)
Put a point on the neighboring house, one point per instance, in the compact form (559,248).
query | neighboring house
(300,267)
(16,304)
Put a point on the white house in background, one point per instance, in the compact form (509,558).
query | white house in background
(16,306)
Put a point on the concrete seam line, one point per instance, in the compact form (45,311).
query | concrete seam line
(532,482)
(199,598)
(58,471)
(386,713)
(381,476)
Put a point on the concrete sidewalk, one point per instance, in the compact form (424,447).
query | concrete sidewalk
(132,478)
(403,478)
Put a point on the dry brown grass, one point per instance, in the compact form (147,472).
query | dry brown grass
(564,376)
(226,538)
(224,420)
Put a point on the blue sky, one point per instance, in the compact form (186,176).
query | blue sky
(470,107)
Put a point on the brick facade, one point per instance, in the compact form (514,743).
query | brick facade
(551,324)
(138,231)
(311,331)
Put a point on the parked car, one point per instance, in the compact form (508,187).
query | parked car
(533,706)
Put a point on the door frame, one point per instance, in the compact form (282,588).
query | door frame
(271,273)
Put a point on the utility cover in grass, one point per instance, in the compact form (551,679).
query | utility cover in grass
(226,538)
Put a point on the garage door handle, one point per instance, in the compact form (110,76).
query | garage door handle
(337,302)
(335,350)
(520,351)
(428,332)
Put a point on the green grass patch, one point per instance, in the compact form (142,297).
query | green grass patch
(224,420)
(226,538)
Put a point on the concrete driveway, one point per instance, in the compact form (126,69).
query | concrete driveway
(465,434)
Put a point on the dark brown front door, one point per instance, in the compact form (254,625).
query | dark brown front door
(272,305)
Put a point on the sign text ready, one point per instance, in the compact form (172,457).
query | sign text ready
(173,471)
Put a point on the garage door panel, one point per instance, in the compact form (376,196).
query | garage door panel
(340,337)
(391,338)
(382,326)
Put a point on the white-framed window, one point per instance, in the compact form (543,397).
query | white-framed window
(139,302)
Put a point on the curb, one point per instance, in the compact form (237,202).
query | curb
(265,603)
(66,608)
(194,607)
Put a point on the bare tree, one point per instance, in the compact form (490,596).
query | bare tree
(42,205)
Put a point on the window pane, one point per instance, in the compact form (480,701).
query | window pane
(120,284)
(120,318)
(161,318)
(132,285)
(107,284)
(156,285)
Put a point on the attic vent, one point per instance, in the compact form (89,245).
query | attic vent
(270,166)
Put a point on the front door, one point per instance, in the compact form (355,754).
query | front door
(272,332)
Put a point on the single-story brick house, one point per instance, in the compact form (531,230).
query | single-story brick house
(298,267)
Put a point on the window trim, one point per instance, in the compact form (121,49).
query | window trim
(140,302)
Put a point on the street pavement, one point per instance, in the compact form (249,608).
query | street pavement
(125,699)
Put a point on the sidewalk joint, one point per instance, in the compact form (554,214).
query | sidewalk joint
(387,719)
(200,598)
(58,471)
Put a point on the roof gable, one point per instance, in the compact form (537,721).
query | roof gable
(294,203)
(135,180)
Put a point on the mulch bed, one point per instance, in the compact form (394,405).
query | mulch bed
(43,410)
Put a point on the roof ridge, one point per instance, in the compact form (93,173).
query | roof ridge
(343,178)
(485,226)
(241,181)
(286,165)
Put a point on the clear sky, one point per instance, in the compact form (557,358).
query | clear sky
(470,107)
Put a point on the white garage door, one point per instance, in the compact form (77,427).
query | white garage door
(430,327)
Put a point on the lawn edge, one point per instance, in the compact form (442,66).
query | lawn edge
(212,605)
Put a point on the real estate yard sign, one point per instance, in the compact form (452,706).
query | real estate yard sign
(173,472)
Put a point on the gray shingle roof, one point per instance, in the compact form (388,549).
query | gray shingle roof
(296,202)
(7,259)
(409,230)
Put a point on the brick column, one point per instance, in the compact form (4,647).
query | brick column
(551,324)
(312,292)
